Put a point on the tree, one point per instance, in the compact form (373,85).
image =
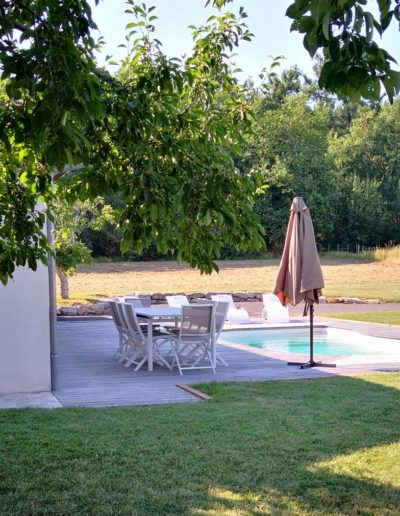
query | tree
(367,160)
(361,216)
(290,82)
(355,66)
(70,222)
(49,93)
(162,133)
(289,147)
(174,127)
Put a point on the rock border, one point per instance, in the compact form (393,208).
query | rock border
(158,298)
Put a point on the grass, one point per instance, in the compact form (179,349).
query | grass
(372,317)
(326,446)
(387,254)
(343,278)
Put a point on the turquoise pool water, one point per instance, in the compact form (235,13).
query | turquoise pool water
(327,341)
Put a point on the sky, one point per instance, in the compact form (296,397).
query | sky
(266,20)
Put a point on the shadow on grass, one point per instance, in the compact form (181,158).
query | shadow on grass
(321,446)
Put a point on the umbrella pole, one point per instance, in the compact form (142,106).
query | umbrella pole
(311,362)
(312,333)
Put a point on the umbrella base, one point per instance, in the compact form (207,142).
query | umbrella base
(310,363)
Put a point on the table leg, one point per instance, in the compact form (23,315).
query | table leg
(150,345)
(213,345)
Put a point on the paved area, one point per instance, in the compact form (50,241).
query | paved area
(86,375)
(255,308)
(43,400)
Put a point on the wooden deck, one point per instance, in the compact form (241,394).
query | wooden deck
(85,374)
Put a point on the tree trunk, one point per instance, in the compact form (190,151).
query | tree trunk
(64,283)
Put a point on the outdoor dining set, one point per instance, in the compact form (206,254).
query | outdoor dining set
(182,335)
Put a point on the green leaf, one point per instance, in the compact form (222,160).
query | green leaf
(334,49)
(325,24)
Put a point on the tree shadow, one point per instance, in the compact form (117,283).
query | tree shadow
(296,460)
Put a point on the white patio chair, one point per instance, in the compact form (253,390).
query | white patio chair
(177,300)
(220,316)
(136,301)
(273,310)
(235,315)
(192,346)
(138,350)
(123,333)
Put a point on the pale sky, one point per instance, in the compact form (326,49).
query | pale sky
(266,20)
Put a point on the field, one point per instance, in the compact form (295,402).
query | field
(343,278)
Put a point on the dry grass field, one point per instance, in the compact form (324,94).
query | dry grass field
(347,278)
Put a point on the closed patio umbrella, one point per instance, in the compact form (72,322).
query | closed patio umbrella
(300,275)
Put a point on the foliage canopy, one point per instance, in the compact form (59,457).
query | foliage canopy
(162,132)
(355,66)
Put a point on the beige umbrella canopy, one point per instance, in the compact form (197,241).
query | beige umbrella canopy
(300,275)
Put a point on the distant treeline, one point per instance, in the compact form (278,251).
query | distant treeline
(342,158)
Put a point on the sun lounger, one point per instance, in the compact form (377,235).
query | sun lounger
(235,315)
(273,310)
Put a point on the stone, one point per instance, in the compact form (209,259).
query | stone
(158,296)
(82,310)
(100,308)
(68,310)
(240,296)
(350,300)
(196,295)
(251,296)
(90,309)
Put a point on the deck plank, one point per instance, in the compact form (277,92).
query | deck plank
(85,374)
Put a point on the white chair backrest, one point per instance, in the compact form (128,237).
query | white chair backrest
(205,301)
(136,301)
(221,311)
(225,298)
(121,314)
(116,315)
(177,301)
(196,320)
(132,322)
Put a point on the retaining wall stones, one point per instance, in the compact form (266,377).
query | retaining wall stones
(102,307)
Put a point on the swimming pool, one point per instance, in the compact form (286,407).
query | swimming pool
(327,341)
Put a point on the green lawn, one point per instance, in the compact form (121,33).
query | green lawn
(373,317)
(326,446)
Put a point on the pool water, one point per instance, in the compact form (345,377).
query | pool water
(327,341)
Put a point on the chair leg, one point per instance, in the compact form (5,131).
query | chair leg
(176,359)
(132,359)
(119,354)
(220,359)
(141,363)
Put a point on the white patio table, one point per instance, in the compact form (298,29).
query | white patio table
(162,314)
(152,315)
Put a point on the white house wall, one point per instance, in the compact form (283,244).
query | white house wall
(25,332)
